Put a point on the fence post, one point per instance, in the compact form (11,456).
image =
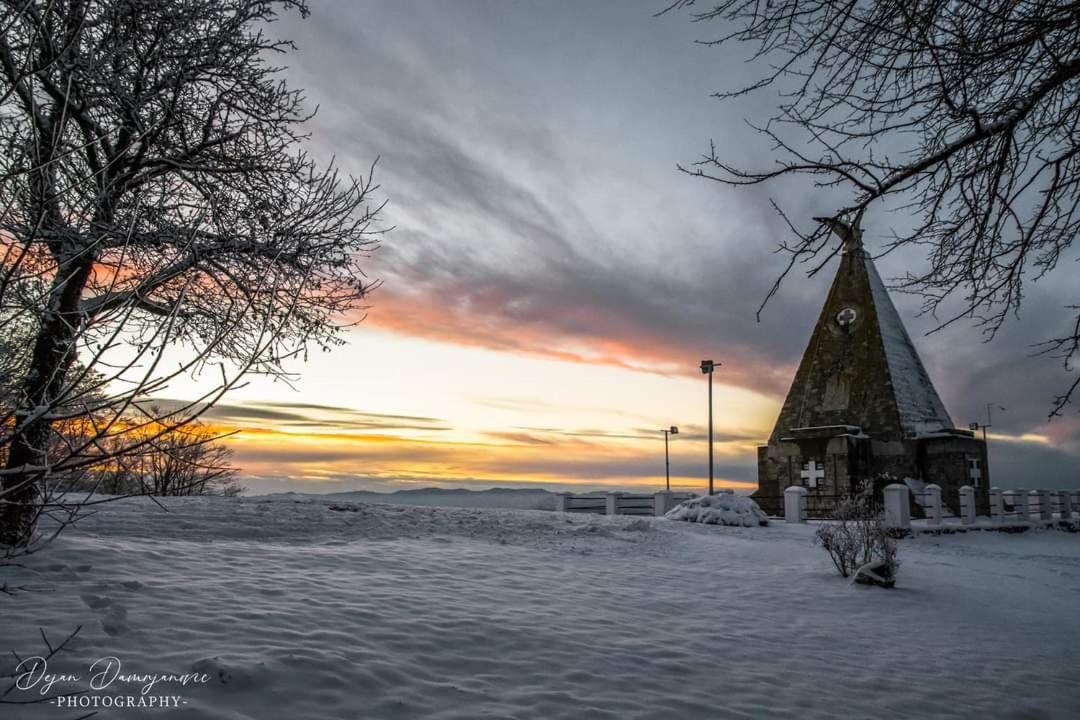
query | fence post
(933,500)
(1032,502)
(1023,505)
(562,501)
(613,503)
(967,505)
(997,505)
(662,503)
(1065,504)
(897,506)
(795,504)
(1013,499)
(1044,504)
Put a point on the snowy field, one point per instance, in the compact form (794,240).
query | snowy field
(292,610)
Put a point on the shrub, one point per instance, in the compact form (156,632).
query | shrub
(722,509)
(859,545)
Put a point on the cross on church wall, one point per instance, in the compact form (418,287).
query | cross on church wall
(812,473)
(975,471)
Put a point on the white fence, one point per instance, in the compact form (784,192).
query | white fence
(618,503)
(1019,507)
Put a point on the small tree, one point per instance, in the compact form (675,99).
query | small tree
(190,460)
(154,196)
(857,542)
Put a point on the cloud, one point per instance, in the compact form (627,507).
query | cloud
(502,237)
(304,416)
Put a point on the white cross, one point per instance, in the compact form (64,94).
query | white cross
(975,472)
(845,317)
(812,472)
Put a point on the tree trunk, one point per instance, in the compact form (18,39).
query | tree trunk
(54,352)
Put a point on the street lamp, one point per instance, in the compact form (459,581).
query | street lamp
(707,369)
(667,463)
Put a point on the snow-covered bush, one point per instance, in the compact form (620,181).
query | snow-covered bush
(722,509)
(859,544)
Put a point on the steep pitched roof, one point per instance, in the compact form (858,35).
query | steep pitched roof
(860,367)
(917,402)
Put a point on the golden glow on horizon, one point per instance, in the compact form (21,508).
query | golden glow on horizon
(413,410)
(1022,438)
(336,457)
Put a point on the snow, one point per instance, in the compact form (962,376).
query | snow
(921,410)
(722,509)
(292,609)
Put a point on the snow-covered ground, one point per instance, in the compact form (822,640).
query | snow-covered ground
(294,610)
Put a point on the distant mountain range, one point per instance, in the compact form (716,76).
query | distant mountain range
(513,498)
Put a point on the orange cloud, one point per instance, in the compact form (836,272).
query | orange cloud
(573,334)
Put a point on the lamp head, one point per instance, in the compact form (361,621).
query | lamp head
(707,366)
(973,426)
(674,430)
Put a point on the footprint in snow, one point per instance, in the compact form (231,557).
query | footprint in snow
(114,622)
(96,602)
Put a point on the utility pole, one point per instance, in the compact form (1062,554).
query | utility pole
(667,462)
(707,367)
(989,421)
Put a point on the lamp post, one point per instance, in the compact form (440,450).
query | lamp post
(667,462)
(707,368)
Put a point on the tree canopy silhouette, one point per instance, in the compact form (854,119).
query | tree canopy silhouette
(158,216)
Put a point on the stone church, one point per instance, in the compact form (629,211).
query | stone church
(862,405)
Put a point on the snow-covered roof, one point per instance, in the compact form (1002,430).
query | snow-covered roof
(921,410)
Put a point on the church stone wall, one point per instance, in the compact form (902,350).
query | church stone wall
(896,458)
(944,462)
(849,461)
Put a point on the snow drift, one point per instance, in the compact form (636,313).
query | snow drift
(722,509)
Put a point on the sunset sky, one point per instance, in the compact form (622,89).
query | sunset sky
(552,281)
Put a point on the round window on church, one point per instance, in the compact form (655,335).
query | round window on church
(846,317)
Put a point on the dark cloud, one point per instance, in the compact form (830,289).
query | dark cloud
(522,438)
(302,415)
(349,411)
(686,433)
(501,236)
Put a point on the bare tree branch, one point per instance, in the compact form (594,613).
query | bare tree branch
(967,114)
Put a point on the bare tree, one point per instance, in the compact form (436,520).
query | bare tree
(857,541)
(153,187)
(967,113)
(190,460)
